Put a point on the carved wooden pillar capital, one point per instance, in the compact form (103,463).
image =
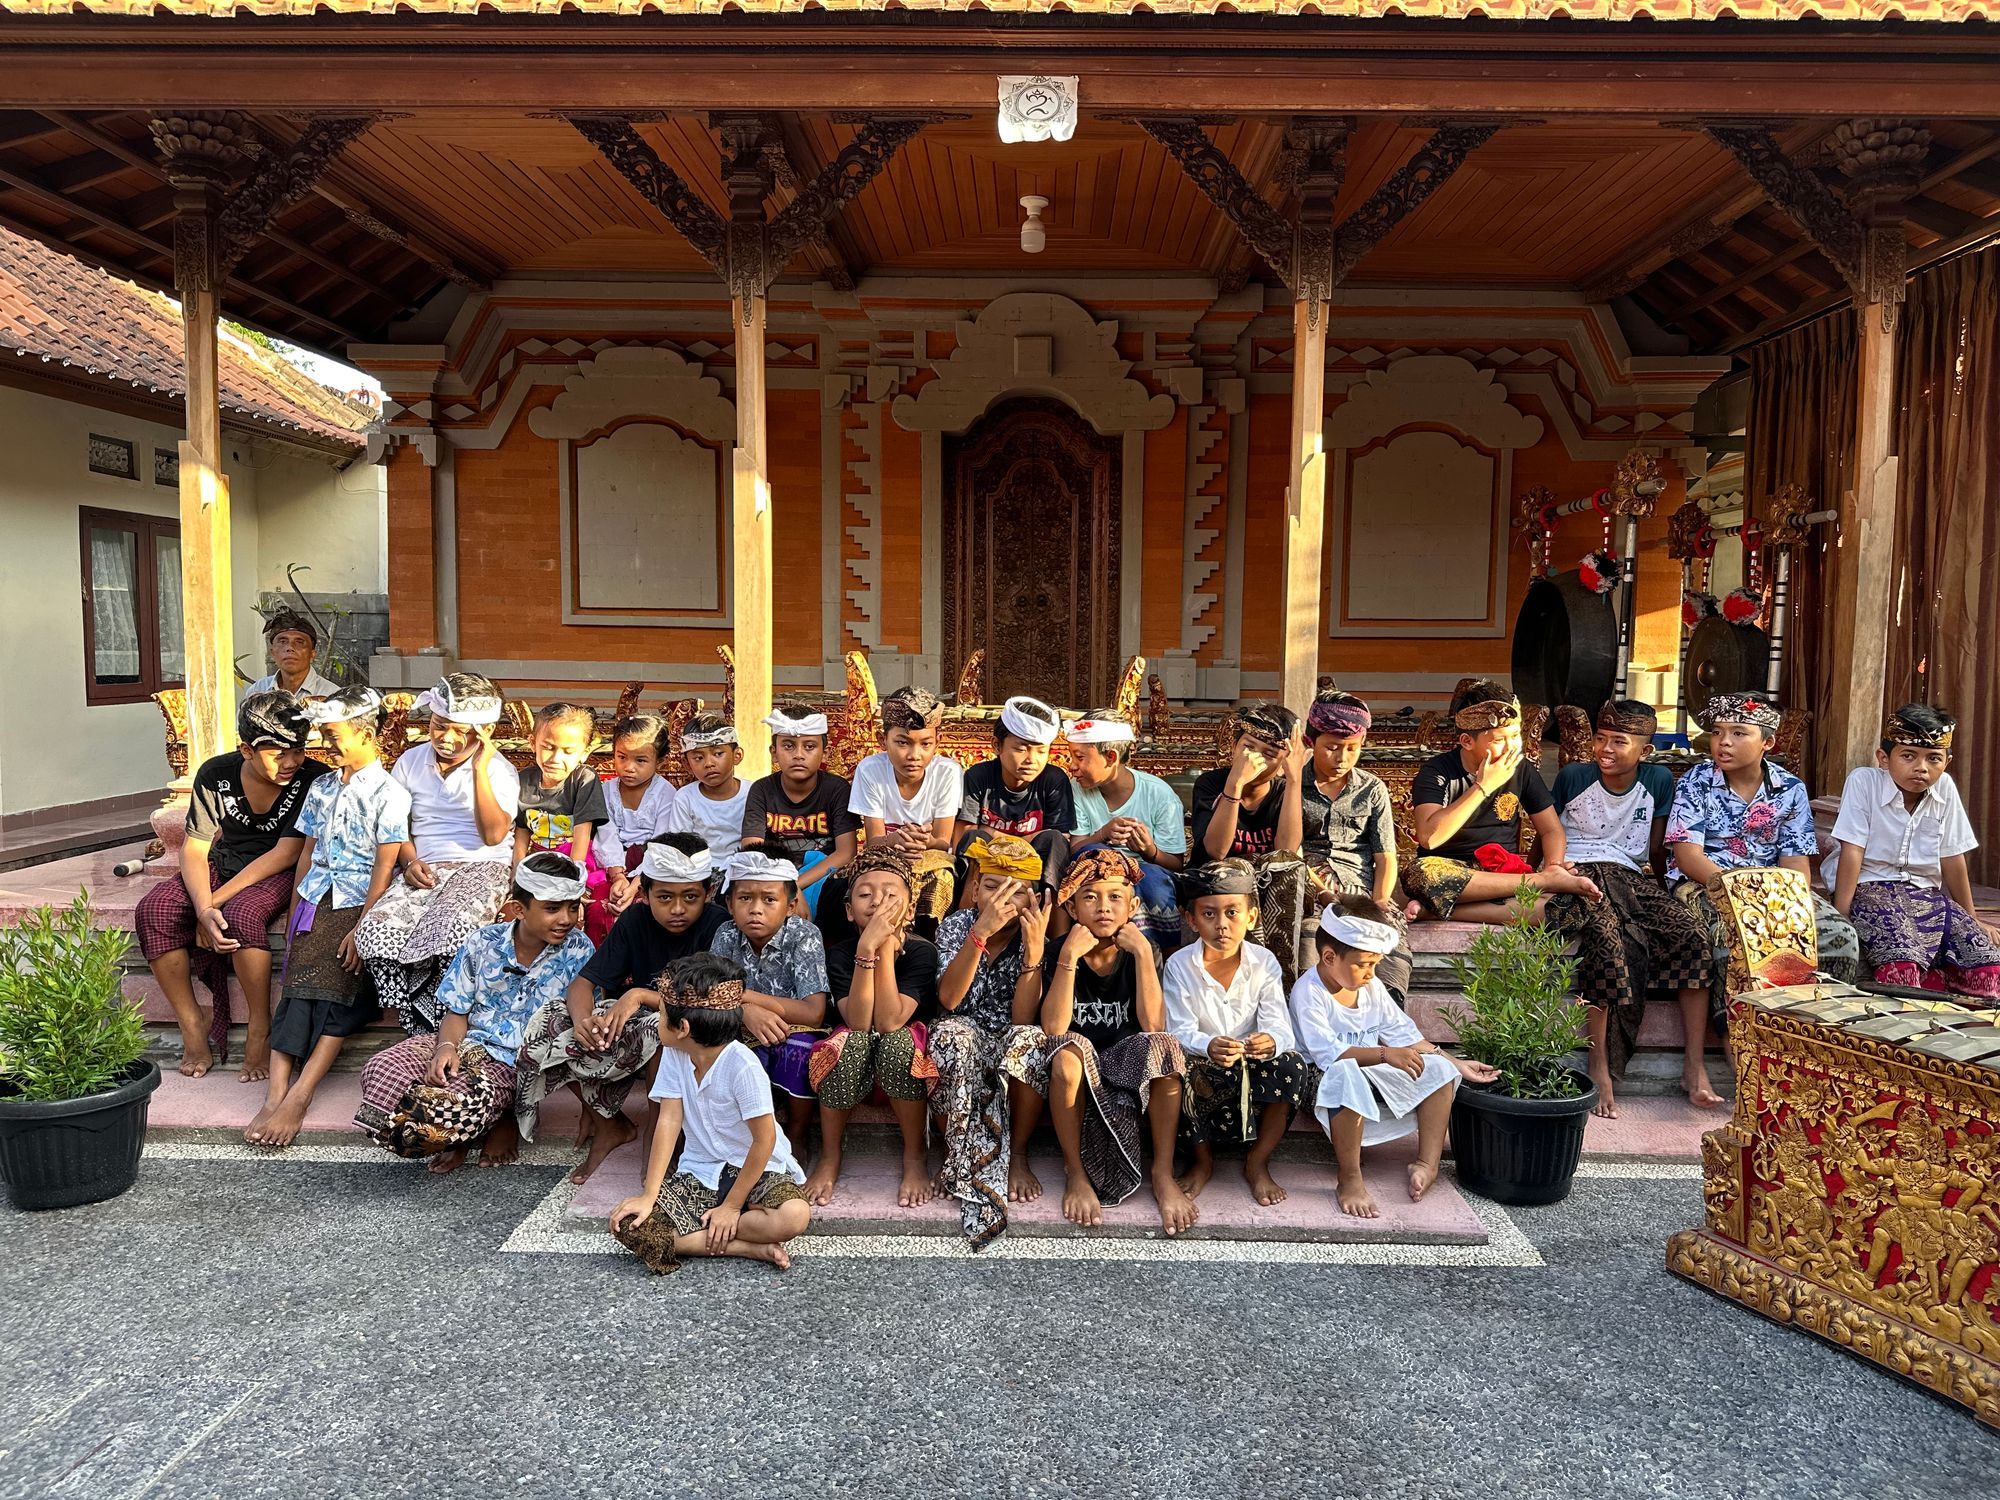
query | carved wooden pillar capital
(202,152)
(1882,161)
(1316,147)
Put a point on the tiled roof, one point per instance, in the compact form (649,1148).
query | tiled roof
(57,311)
(1443,10)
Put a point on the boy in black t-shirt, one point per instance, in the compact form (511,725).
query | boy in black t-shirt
(1470,799)
(799,812)
(1254,809)
(1018,791)
(1103,1056)
(562,801)
(603,1034)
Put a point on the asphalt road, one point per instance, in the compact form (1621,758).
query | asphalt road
(250,1329)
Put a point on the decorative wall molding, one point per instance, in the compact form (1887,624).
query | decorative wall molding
(1205,506)
(635,383)
(1434,389)
(861,493)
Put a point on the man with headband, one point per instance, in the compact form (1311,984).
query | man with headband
(1120,807)
(1739,811)
(355,824)
(799,812)
(438,1096)
(712,801)
(1350,827)
(236,870)
(291,640)
(909,794)
(1018,791)
(1614,816)
(1898,870)
(991,982)
(1253,809)
(454,871)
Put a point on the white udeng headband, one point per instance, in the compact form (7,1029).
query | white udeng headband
(751,865)
(726,735)
(362,702)
(781,723)
(665,862)
(1099,732)
(475,710)
(1358,932)
(549,887)
(1036,729)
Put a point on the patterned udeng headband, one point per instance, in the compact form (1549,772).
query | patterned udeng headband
(693,740)
(911,708)
(1740,708)
(1477,718)
(1900,731)
(727,995)
(1094,865)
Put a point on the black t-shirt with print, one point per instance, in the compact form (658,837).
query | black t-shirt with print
(791,830)
(637,947)
(916,976)
(1044,803)
(1106,1008)
(1256,827)
(551,813)
(220,813)
(1444,779)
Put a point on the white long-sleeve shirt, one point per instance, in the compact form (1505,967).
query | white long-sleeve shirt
(1199,1010)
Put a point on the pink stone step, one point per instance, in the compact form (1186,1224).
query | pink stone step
(866,1204)
(1432,1010)
(1655,1127)
(218,1102)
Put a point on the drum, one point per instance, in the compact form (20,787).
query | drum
(1723,658)
(1565,645)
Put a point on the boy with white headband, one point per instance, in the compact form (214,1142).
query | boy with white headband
(453,872)
(1379,1078)
(601,1037)
(1018,791)
(799,812)
(784,974)
(437,1096)
(355,825)
(1121,807)
(711,802)
(910,795)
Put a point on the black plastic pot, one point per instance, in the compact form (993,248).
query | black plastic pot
(1520,1151)
(73,1151)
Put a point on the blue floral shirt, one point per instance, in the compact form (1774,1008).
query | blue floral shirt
(487,984)
(1739,835)
(791,966)
(347,820)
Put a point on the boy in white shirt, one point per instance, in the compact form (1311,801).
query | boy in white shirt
(1225,1002)
(738,1188)
(1897,870)
(711,803)
(1380,1079)
(910,795)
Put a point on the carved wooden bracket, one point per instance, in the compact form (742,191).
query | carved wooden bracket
(1637,484)
(1263,228)
(658,183)
(1405,189)
(1810,203)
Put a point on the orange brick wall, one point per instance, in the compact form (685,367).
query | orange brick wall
(1165,532)
(412,579)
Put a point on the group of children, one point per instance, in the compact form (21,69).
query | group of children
(982,949)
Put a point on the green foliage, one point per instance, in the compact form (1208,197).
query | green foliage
(66,1029)
(1519,1016)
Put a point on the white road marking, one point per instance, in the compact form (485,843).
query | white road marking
(189,1447)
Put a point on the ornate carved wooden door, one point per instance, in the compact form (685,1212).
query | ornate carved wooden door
(1030,554)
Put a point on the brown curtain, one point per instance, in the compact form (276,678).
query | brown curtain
(1942,645)
(1801,431)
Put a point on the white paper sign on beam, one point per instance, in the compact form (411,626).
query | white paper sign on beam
(1037,108)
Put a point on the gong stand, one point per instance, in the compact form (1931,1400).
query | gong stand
(1635,491)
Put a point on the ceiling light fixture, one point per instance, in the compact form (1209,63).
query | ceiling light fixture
(1033,235)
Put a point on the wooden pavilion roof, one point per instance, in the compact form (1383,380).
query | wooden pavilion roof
(1453,10)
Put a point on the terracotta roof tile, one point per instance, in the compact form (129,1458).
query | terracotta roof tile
(1449,10)
(57,310)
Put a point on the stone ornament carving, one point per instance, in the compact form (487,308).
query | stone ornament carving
(637,382)
(1438,390)
(1083,370)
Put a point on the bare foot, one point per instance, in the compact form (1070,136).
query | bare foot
(918,1186)
(1422,1175)
(1355,1199)
(1198,1174)
(1556,880)
(819,1184)
(1412,910)
(1177,1209)
(607,1138)
(502,1146)
(1023,1186)
(1701,1093)
(1606,1107)
(1263,1186)
(586,1129)
(775,1254)
(253,1132)
(447,1162)
(285,1122)
(1080,1202)
(256,1058)
(196,1059)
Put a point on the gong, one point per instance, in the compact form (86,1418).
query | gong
(1565,645)
(1723,658)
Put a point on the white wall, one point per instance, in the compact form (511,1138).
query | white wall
(54,749)
(323,518)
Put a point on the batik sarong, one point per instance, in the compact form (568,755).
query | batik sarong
(322,997)
(1437,883)
(1918,937)
(164,920)
(970,1100)
(678,1210)
(1636,940)
(1222,1104)
(410,936)
(1116,1086)
(551,1058)
(1771,913)
(411,1117)
(850,1065)
(1284,896)
(1383,1095)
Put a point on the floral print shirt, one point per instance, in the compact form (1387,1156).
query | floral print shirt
(989,1002)
(487,985)
(1738,835)
(792,965)
(347,821)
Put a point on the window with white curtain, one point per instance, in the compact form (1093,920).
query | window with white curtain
(131,567)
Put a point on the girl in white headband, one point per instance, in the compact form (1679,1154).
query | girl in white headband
(1379,1078)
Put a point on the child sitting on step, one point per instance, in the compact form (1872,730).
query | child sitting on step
(909,794)
(354,824)
(639,801)
(737,1191)
(1379,1078)
(1018,791)
(783,959)
(799,812)
(711,803)
(562,801)
(1350,828)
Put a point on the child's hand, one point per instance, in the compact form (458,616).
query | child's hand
(632,1211)
(484,754)
(1475,1072)
(997,908)
(1131,940)
(1296,757)
(1497,770)
(1260,1045)
(1225,1051)
(721,1222)
(1079,942)
(763,1028)
(1409,1059)
(214,931)
(444,1066)
(349,954)
(419,876)
(884,926)
(1245,766)
(1034,911)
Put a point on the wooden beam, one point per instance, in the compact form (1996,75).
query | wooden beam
(1305,509)
(1940,220)
(1865,588)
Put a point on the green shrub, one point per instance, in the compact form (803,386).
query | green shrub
(1517,1014)
(66,1029)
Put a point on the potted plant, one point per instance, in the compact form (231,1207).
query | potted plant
(1518,1140)
(74,1082)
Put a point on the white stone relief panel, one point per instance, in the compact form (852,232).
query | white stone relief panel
(647,519)
(1404,497)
